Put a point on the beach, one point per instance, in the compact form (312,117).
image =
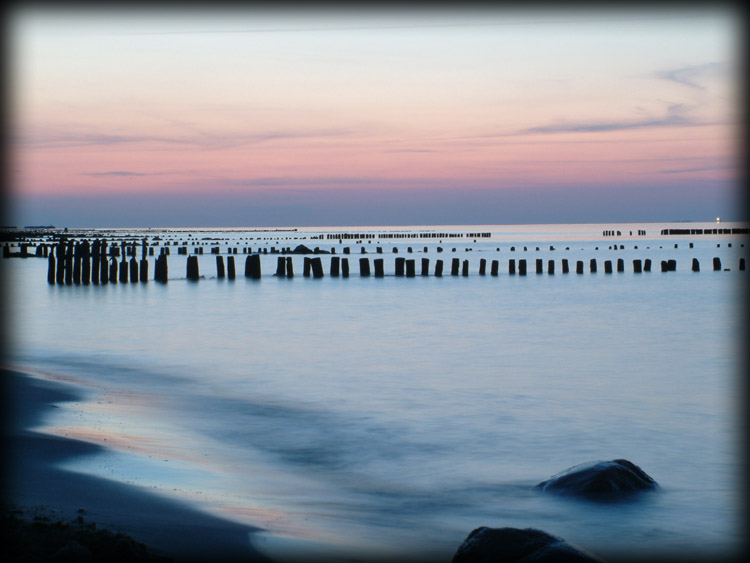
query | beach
(34,485)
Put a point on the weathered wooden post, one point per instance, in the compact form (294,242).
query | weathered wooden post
(717,264)
(550,267)
(455,265)
(344,267)
(51,268)
(104,276)
(133,270)
(482,267)
(306,266)
(664,266)
(539,266)
(379,267)
(113,270)
(143,271)
(252,267)
(400,266)
(96,261)
(364,267)
(289,267)
(335,266)
(637,266)
(220,267)
(522,267)
(411,268)
(620,265)
(425,266)
(672,265)
(579,266)
(231,269)
(608,266)
(696,265)
(69,264)
(160,270)
(592,265)
(494,267)
(193,271)
(742,264)
(280,267)
(317,267)
(85,263)
(465,268)
(512,266)
(438,268)
(647,265)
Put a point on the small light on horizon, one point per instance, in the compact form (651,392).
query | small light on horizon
(718,219)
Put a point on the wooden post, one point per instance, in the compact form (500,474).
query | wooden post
(96,261)
(425,266)
(637,266)
(335,266)
(344,267)
(550,267)
(69,264)
(539,266)
(647,265)
(592,265)
(465,268)
(672,265)
(494,267)
(252,267)
(717,264)
(438,268)
(289,267)
(220,266)
(620,265)
(579,266)
(144,270)
(608,266)
(696,265)
(193,270)
(364,267)
(104,276)
(379,267)
(306,267)
(482,267)
(85,263)
(133,269)
(455,265)
(400,266)
(317,267)
(664,267)
(522,267)
(410,268)
(113,272)
(512,266)
(742,264)
(51,268)
(231,269)
(565,268)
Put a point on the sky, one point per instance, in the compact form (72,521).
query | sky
(256,117)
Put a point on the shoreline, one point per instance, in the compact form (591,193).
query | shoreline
(32,482)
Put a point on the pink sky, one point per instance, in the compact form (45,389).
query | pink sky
(107,105)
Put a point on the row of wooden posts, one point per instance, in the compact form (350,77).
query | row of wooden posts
(80,265)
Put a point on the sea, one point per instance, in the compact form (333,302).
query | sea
(369,417)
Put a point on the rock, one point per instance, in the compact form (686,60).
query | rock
(600,480)
(302,249)
(515,545)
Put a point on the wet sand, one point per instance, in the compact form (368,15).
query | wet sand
(32,481)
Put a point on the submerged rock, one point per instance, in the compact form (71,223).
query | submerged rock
(600,480)
(516,545)
(302,249)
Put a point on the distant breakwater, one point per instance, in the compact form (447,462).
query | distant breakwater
(100,261)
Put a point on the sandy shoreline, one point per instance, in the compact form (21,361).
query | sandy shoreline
(32,479)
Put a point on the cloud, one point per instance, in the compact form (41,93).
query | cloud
(675,117)
(118,173)
(693,76)
(699,169)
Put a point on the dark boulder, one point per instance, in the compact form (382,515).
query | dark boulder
(600,480)
(302,249)
(515,545)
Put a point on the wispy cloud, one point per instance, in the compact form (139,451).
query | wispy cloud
(699,169)
(675,117)
(214,140)
(694,76)
(119,173)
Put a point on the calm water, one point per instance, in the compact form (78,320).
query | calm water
(394,415)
